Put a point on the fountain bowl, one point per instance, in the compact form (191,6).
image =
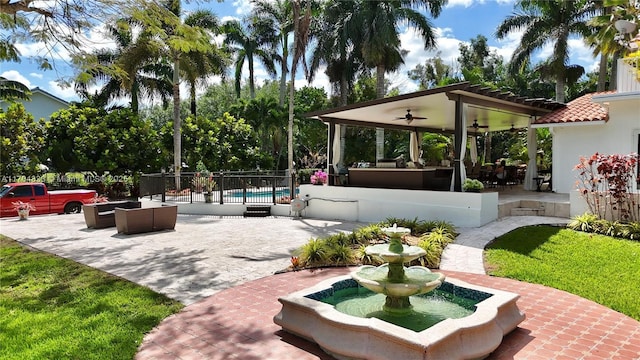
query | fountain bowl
(349,337)
(371,277)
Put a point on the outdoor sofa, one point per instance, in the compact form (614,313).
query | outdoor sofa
(135,221)
(102,215)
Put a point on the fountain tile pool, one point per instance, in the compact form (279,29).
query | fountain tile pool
(473,336)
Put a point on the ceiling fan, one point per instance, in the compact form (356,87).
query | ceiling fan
(409,118)
(477,126)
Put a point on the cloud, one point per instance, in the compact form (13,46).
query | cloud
(243,7)
(66,93)
(16,76)
(36,75)
(465,3)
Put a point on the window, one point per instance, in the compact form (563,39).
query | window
(39,190)
(22,191)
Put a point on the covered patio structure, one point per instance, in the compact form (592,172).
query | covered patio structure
(451,109)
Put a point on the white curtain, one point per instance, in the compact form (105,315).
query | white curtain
(414,147)
(474,150)
(532,168)
(461,152)
(336,149)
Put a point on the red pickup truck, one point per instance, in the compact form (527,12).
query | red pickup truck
(45,202)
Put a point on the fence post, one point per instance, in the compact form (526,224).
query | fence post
(164,184)
(221,182)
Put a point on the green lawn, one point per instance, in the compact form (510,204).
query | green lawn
(597,267)
(54,308)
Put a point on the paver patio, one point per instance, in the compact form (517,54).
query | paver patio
(223,269)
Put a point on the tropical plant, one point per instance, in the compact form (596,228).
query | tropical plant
(606,184)
(543,22)
(280,12)
(584,222)
(314,252)
(254,39)
(319,178)
(133,68)
(433,253)
(11,90)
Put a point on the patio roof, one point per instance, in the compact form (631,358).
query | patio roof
(578,111)
(494,110)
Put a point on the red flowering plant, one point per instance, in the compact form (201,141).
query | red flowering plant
(606,184)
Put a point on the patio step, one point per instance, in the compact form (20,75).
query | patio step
(522,211)
(257,211)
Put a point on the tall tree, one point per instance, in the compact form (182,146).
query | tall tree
(543,22)
(280,13)
(132,68)
(165,29)
(256,39)
(380,37)
(198,66)
(335,47)
(301,23)
(433,73)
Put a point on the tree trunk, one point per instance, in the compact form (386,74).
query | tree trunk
(560,88)
(613,80)
(283,72)
(192,96)
(252,85)
(177,135)
(344,89)
(602,73)
(380,70)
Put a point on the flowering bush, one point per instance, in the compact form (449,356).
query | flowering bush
(319,177)
(204,182)
(99,199)
(20,206)
(605,182)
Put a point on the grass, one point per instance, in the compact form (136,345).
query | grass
(54,308)
(596,267)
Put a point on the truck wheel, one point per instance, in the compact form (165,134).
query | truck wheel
(73,208)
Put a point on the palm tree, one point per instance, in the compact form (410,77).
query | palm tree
(545,21)
(199,65)
(256,39)
(168,34)
(301,23)
(281,16)
(605,38)
(11,90)
(132,69)
(335,47)
(380,39)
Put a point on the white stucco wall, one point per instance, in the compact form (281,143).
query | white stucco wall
(374,205)
(617,136)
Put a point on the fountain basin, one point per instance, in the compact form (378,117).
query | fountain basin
(419,280)
(349,337)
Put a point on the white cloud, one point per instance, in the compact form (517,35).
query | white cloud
(36,75)
(465,3)
(66,93)
(508,45)
(16,76)
(243,7)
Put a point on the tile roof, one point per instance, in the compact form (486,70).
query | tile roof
(578,110)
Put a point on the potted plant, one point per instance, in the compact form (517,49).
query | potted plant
(319,178)
(23,209)
(208,185)
(472,185)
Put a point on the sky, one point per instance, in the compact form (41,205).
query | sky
(460,21)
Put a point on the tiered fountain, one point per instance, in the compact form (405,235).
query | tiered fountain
(391,310)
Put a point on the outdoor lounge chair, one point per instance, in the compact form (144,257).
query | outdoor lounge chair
(135,221)
(102,215)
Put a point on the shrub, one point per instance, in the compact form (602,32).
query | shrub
(606,183)
(434,251)
(584,222)
(314,252)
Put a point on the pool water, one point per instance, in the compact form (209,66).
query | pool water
(262,193)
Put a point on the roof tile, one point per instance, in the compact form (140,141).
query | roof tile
(578,110)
